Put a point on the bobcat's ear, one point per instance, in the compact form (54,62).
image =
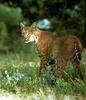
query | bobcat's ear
(22,25)
(34,26)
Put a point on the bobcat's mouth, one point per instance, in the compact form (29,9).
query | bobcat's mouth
(27,41)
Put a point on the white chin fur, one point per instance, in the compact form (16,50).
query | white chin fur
(31,39)
(27,41)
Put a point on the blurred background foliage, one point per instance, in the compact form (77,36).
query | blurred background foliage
(59,16)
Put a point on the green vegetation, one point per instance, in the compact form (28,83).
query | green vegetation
(19,62)
(19,73)
(65,17)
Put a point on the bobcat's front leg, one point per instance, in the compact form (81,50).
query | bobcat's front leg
(43,63)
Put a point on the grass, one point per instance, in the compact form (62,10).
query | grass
(19,73)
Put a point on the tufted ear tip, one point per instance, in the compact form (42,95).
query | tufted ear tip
(22,25)
(34,25)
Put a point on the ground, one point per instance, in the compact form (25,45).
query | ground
(19,81)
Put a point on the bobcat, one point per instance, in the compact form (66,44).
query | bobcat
(50,48)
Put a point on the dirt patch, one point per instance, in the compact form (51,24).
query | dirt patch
(40,95)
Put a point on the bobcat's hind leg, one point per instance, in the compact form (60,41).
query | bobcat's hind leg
(77,64)
(78,69)
(61,66)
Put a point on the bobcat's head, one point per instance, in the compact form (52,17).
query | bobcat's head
(28,32)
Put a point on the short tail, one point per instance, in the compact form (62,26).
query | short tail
(77,50)
(77,58)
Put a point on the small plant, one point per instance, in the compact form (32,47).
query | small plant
(16,74)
